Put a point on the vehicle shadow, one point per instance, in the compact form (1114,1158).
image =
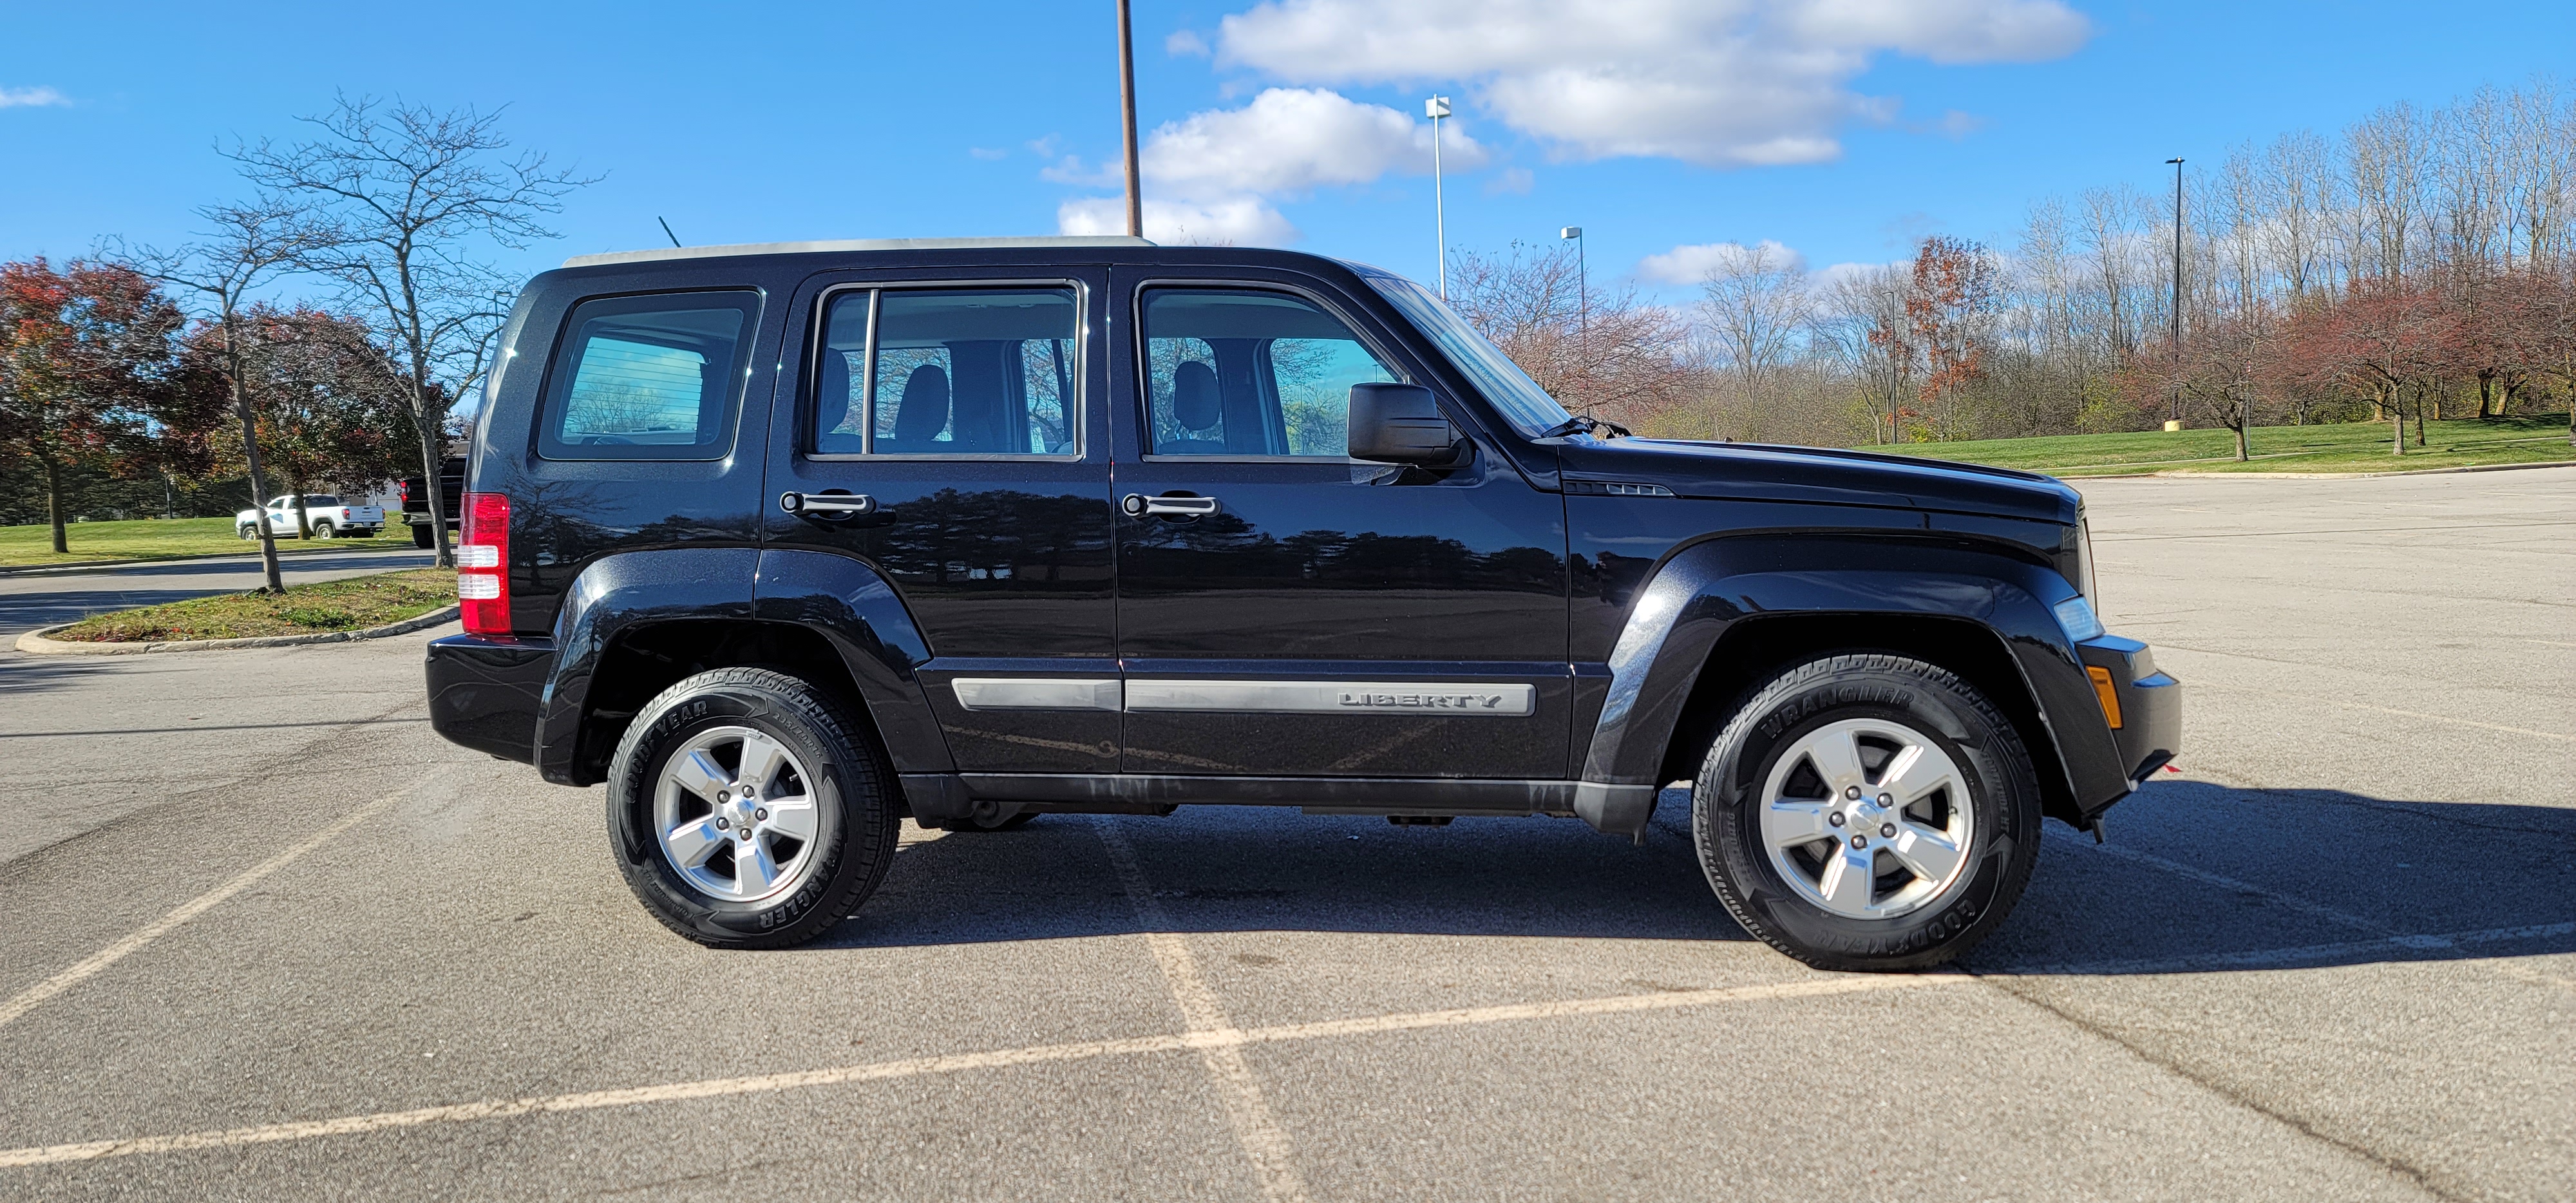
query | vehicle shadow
(2197,878)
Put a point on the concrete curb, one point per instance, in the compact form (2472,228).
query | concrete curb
(35,643)
(2205,475)
(283,554)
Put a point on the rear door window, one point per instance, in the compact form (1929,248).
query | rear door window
(652,377)
(981,371)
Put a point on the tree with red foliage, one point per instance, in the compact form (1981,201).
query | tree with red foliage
(326,399)
(2536,317)
(2385,338)
(1956,292)
(83,353)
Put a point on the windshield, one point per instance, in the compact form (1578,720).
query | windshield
(1509,389)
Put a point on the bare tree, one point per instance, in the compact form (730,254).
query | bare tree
(1614,354)
(246,246)
(1755,301)
(406,193)
(1863,320)
(2298,176)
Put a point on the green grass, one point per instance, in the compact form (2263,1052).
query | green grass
(350,604)
(171,539)
(2342,447)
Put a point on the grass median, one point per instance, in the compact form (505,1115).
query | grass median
(350,604)
(166,539)
(2342,447)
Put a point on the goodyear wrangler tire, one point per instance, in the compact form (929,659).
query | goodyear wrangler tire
(748,809)
(1868,812)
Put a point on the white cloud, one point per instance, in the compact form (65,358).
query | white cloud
(1186,42)
(988,153)
(1229,221)
(1691,263)
(1215,175)
(1514,180)
(1294,140)
(32,98)
(1717,82)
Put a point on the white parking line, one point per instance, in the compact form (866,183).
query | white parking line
(349,1125)
(1201,1011)
(92,965)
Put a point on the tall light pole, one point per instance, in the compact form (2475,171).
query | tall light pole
(1127,115)
(2175,337)
(1436,108)
(1582,279)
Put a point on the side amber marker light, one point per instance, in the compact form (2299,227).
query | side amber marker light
(2102,689)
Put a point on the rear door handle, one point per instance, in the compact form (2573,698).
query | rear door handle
(1140,506)
(827,505)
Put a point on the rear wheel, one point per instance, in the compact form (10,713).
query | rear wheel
(247,531)
(420,535)
(1868,812)
(324,529)
(747,809)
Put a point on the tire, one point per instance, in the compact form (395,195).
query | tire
(673,764)
(421,536)
(247,531)
(324,529)
(1788,764)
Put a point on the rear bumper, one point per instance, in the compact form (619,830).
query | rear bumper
(487,694)
(2149,730)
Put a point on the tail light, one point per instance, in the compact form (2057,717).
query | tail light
(483,564)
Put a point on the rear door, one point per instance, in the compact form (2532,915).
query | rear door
(1286,610)
(952,408)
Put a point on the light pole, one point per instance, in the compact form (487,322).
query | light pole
(2175,335)
(1582,279)
(1436,108)
(1127,116)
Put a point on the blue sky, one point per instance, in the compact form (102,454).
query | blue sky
(1841,129)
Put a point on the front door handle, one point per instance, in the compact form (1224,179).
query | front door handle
(827,506)
(1140,506)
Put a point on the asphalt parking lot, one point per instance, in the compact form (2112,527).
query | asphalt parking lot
(267,937)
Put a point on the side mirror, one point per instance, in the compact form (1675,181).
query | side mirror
(1400,424)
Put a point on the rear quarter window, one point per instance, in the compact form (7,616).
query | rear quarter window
(649,378)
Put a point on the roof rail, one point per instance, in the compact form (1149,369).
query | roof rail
(850,245)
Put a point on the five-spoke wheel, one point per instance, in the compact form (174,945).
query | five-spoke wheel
(1867,811)
(736,818)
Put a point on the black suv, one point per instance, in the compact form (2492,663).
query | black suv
(786,543)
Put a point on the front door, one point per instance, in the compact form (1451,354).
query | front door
(955,407)
(1286,610)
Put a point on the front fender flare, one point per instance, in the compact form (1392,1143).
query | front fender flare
(1699,593)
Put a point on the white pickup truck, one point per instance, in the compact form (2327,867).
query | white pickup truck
(330,519)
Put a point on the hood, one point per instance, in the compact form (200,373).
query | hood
(1762,472)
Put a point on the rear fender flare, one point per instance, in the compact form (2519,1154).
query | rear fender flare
(846,602)
(611,597)
(856,609)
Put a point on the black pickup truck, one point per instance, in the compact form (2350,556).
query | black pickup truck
(415,501)
(786,543)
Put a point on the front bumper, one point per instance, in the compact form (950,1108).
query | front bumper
(2148,730)
(488,694)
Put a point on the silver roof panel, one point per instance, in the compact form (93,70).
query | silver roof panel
(853,245)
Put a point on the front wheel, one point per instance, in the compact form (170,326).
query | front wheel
(748,810)
(1868,812)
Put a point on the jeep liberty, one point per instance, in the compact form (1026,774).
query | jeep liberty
(786,543)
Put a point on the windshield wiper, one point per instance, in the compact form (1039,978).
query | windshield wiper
(1585,424)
